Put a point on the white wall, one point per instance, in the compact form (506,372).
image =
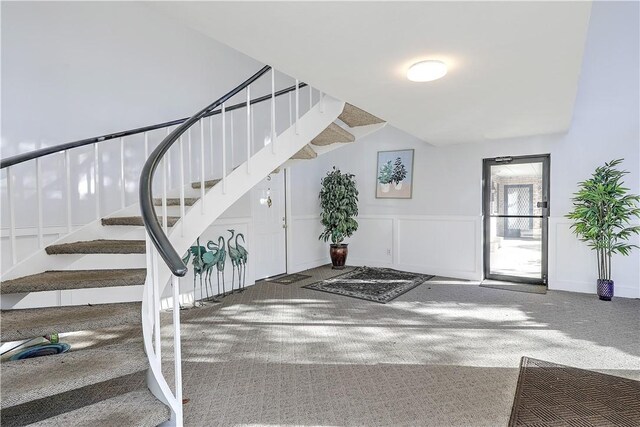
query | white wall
(439,230)
(73,70)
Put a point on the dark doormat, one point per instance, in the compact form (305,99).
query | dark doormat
(517,287)
(550,395)
(288,279)
(372,284)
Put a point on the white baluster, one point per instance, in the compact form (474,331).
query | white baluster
(12,218)
(39,200)
(67,167)
(224,149)
(253,125)
(310,97)
(164,195)
(232,143)
(96,170)
(177,347)
(248,128)
(290,110)
(182,208)
(123,192)
(297,106)
(189,155)
(156,306)
(211,146)
(202,169)
(273,111)
(146,146)
(169,164)
(149,277)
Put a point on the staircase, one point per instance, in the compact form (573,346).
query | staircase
(123,384)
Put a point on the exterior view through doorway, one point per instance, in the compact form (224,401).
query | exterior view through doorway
(516,212)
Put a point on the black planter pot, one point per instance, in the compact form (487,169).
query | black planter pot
(338,253)
(605,289)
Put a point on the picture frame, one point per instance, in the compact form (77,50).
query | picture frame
(394,174)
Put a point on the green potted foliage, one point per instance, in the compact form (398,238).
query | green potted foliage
(339,204)
(385,176)
(603,211)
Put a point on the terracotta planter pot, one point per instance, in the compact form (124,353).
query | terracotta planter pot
(338,253)
(605,289)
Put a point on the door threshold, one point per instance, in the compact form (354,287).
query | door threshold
(513,286)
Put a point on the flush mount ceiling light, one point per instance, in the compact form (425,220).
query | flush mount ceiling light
(426,71)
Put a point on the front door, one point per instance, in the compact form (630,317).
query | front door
(516,210)
(269,225)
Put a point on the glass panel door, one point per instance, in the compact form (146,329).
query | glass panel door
(516,208)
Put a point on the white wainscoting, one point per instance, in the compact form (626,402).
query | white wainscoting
(572,265)
(304,250)
(441,245)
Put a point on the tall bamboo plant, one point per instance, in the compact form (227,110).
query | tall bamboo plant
(602,214)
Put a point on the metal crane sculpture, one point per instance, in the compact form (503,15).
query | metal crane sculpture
(244,254)
(217,259)
(198,266)
(235,256)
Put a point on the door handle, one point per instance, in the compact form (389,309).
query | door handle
(543,205)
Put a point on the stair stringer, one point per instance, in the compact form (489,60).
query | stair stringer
(358,132)
(224,194)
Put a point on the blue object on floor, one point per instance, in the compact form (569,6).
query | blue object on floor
(41,350)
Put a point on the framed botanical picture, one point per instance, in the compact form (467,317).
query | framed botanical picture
(395,174)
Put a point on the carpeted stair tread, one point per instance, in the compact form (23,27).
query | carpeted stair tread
(353,116)
(100,246)
(306,153)
(42,409)
(136,220)
(36,322)
(40,377)
(207,184)
(175,201)
(333,134)
(137,408)
(74,279)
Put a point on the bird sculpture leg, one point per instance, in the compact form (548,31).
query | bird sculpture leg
(233,278)
(244,277)
(194,289)
(213,295)
(239,277)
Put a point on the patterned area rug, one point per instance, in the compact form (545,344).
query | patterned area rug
(288,279)
(372,284)
(550,395)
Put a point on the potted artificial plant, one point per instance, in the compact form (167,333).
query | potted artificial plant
(603,210)
(385,177)
(339,203)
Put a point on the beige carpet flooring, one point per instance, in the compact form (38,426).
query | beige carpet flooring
(444,354)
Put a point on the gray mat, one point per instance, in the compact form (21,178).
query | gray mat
(552,395)
(288,279)
(517,287)
(372,284)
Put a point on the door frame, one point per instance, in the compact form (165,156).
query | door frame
(545,159)
(287,214)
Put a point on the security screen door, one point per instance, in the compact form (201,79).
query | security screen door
(516,210)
